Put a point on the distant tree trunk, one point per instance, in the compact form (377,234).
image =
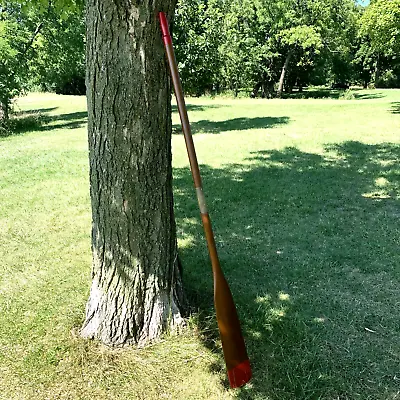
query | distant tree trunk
(236,92)
(376,74)
(256,88)
(32,39)
(269,89)
(283,73)
(289,88)
(136,291)
(4,112)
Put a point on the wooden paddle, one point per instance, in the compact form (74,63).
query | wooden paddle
(234,348)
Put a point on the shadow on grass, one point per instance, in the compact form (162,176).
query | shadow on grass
(35,111)
(235,124)
(368,96)
(199,107)
(38,120)
(70,120)
(330,94)
(309,244)
(395,107)
(314,94)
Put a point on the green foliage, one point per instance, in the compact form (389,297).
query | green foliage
(40,46)
(62,7)
(14,49)
(363,62)
(247,50)
(303,43)
(381,24)
(59,64)
(379,37)
(197,39)
(242,43)
(9,86)
(388,80)
(303,36)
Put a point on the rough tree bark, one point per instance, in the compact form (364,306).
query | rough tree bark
(136,291)
(283,73)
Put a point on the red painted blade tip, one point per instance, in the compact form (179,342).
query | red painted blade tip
(239,375)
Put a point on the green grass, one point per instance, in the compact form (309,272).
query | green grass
(304,196)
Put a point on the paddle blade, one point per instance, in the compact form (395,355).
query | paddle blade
(233,346)
(239,375)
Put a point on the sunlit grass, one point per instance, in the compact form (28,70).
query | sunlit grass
(304,196)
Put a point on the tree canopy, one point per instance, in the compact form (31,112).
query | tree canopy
(237,45)
(381,24)
(41,47)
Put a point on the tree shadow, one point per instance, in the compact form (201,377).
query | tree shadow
(35,111)
(395,107)
(330,94)
(70,120)
(368,96)
(314,94)
(235,124)
(78,123)
(199,107)
(309,245)
(69,116)
(38,120)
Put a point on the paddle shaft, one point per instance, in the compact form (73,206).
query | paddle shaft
(233,345)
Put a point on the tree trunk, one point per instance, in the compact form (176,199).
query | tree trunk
(269,91)
(32,39)
(283,73)
(236,89)
(4,112)
(136,291)
(256,88)
(376,72)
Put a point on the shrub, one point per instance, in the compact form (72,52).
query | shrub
(23,122)
(388,80)
(347,95)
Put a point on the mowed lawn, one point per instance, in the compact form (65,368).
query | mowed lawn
(305,200)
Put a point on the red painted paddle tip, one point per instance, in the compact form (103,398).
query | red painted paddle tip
(239,375)
(164,27)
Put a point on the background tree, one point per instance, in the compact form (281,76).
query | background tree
(9,84)
(197,33)
(240,46)
(248,50)
(381,23)
(337,21)
(42,44)
(380,29)
(59,62)
(301,42)
(136,291)
(18,30)
(364,62)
